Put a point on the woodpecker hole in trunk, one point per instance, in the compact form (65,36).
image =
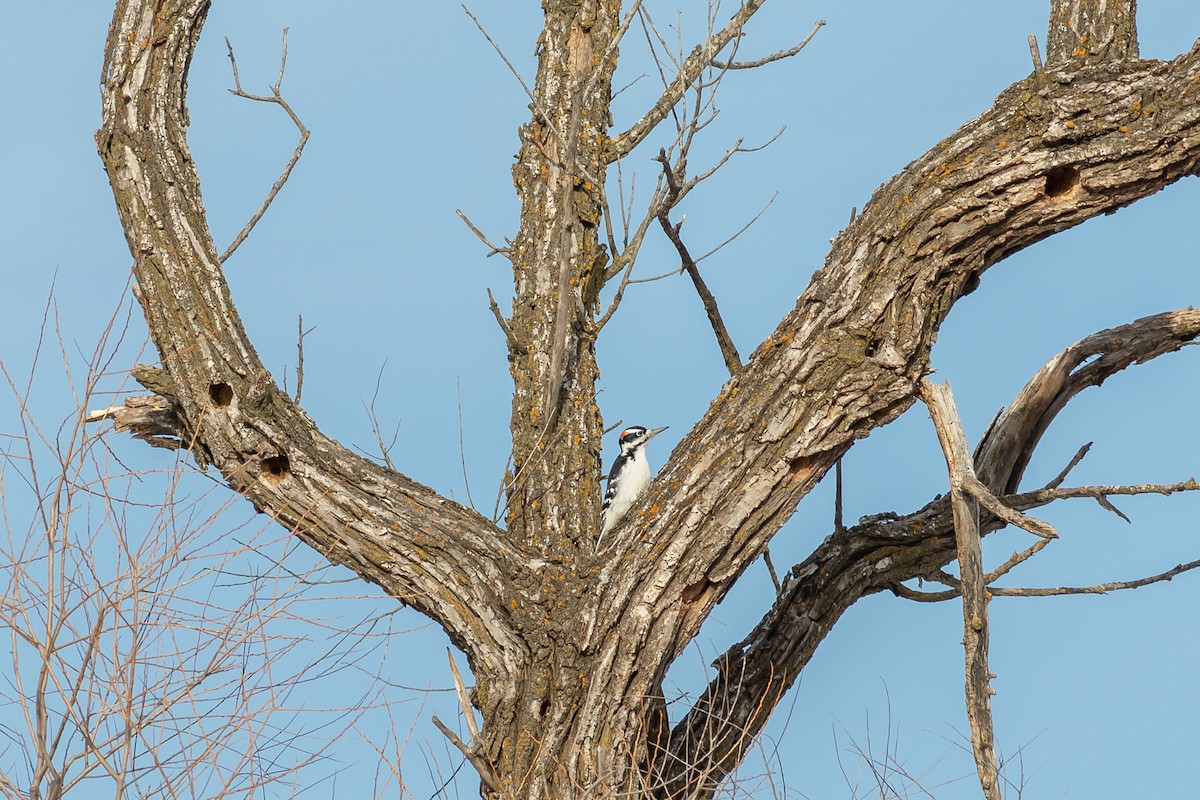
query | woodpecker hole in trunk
(221,394)
(275,468)
(1061,181)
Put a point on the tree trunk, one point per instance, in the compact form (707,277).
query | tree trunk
(569,646)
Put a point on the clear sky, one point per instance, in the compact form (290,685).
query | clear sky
(414,115)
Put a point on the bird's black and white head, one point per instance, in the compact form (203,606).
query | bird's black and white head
(633,439)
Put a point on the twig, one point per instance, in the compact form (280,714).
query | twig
(1043,496)
(492,249)
(277,99)
(950,434)
(384,449)
(463,700)
(462,453)
(740,230)
(700,59)
(481,766)
(900,590)
(729,352)
(1035,54)
(782,54)
(838,523)
(300,334)
(771,570)
(993,504)
(513,343)
(1074,462)
(1099,588)
(500,53)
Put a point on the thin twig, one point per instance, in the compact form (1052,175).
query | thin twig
(771,570)
(462,452)
(278,100)
(740,230)
(300,334)
(782,54)
(385,449)
(463,700)
(1042,497)
(688,72)
(481,766)
(500,53)
(838,523)
(1074,462)
(513,343)
(900,590)
(729,352)
(492,249)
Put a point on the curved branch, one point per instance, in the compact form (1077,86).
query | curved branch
(847,359)
(443,559)
(878,554)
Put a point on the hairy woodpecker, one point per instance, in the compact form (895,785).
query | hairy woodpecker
(629,477)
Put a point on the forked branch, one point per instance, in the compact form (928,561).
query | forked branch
(277,98)
(700,59)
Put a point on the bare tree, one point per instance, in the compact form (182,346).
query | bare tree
(569,646)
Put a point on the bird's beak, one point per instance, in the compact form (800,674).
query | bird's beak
(650,434)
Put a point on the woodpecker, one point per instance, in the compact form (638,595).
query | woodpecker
(629,477)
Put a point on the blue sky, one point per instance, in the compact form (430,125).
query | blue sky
(413,115)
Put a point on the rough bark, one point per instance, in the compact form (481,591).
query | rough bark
(568,647)
(1091,31)
(879,554)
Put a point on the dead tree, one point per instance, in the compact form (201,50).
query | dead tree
(568,646)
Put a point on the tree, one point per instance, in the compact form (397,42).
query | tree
(569,647)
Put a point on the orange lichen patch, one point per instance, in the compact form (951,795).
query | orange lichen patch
(781,339)
(1004,142)
(1070,123)
(1124,129)
(654,509)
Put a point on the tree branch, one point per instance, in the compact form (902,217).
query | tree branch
(733,361)
(390,530)
(700,59)
(878,554)
(779,56)
(972,587)
(277,99)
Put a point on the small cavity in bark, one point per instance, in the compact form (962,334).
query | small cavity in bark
(221,394)
(1061,180)
(275,468)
